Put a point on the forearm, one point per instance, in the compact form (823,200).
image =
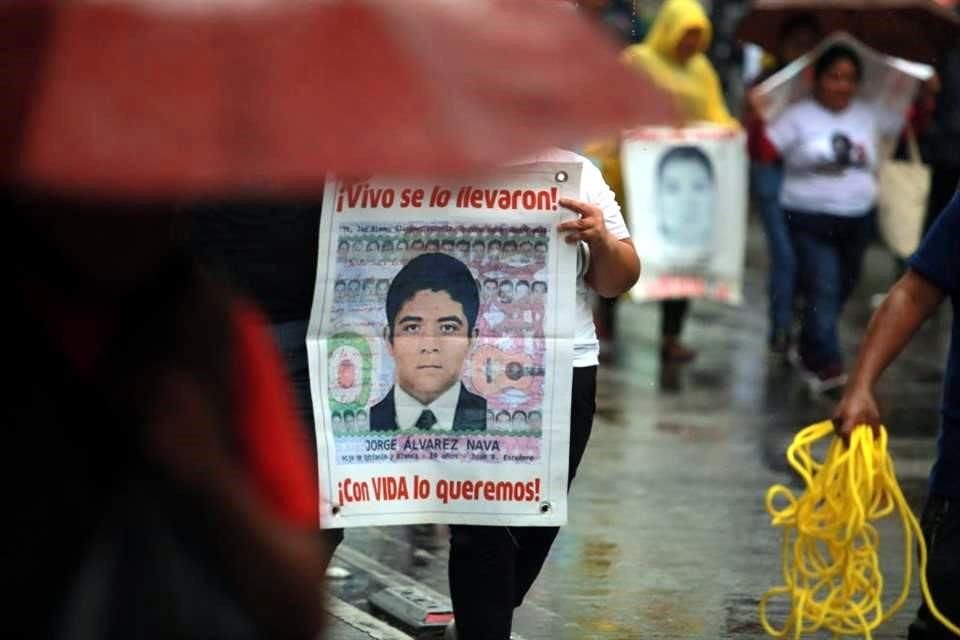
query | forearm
(891,328)
(614,266)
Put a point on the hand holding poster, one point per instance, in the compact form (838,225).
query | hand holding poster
(686,202)
(440,352)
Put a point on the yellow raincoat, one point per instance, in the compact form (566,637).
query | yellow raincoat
(694,84)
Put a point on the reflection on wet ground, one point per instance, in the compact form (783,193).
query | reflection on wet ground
(668,537)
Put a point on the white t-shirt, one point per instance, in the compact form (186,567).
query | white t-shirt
(830,158)
(593,190)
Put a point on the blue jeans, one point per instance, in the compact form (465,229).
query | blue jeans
(765,182)
(829,257)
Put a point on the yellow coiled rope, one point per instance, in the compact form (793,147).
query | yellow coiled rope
(831,570)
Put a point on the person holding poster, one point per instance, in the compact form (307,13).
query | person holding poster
(828,145)
(431,310)
(492,568)
(673,53)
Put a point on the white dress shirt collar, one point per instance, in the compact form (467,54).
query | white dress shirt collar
(444,408)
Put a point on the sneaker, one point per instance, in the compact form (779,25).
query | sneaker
(338,573)
(830,377)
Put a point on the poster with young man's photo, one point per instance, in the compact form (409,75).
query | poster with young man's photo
(686,202)
(440,349)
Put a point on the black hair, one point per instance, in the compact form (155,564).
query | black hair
(434,272)
(540,282)
(502,412)
(347,413)
(832,55)
(509,282)
(359,411)
(520,413)
(685,152)
(524,283)
(800,22)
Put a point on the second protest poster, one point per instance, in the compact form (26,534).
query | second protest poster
(440,349)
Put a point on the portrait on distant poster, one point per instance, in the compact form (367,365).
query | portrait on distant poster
(686,201)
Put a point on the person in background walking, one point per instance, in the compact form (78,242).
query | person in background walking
(492,568)
(828,145)
(798,36)
(673,54)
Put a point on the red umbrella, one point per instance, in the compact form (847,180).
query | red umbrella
(919,30)
(138,98)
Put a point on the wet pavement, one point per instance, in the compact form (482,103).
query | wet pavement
(668,536)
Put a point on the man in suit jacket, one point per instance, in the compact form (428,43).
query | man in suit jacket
(431,310)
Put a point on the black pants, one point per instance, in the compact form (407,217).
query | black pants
(673,315)
(941,530)
(492,568)
(291,339)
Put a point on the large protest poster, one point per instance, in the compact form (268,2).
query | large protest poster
(686,200)
(440,349)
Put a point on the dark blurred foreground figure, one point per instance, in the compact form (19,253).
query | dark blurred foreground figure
(269,250)
(934,275)
(159,486)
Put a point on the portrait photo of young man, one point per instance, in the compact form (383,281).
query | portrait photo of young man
(431,313)
(685,203)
